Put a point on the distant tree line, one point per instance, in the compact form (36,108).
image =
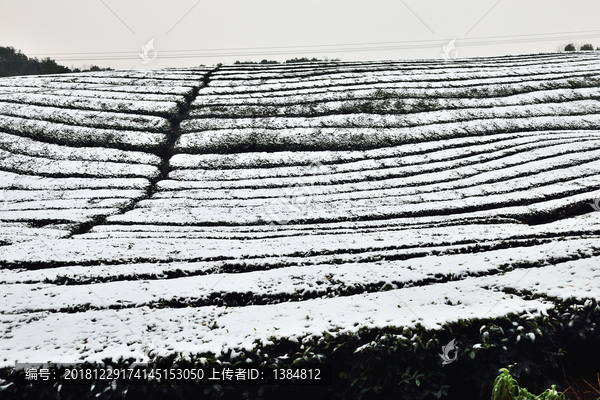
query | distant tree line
(14,63)
(585,47)
(291,61)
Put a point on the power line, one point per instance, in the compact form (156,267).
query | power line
(336,48)
(592,33)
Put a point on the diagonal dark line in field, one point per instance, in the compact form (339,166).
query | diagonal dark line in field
(165,153)
(90,223)
(165,156)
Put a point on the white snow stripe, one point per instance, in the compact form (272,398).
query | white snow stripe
(230,140)
(96,335)
(9,180)
(208,107)
(86,118)
(34,148)
(77,251)
(406,154)
(43,166)
(76,135)
(531,159)
(74,215)
(48,99)
(421,119)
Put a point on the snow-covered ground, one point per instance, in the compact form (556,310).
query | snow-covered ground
(291,201)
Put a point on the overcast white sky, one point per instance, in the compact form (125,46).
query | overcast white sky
(111,33)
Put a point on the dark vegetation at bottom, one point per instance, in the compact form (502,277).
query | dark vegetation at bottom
(393,363)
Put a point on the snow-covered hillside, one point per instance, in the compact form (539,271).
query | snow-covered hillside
(207,210)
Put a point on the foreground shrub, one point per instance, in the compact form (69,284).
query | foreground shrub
(394,362)
(506,388)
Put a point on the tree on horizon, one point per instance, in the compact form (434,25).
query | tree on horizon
(15,63)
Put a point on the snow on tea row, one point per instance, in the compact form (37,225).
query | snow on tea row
(459,73)
(74,206)
(112,90)
(86,118)
(276,72)
(29,147)
(155,231)
(449,89)
(502,176)
(156,108)
(427,244)
(247,71)
(66,211)
(23,199)
(549,200)
(391,190)
(82,136)
(119,251)
(63,216)
(49,91)
(29,198)
(220,329)
(66,168)
(12,232)
(66,204)
(297,227)
(365,120)
(436,79)
(393,167)
(162,74)
(394,104)
(12,181)
(28,156)
(507,201)
(12,94)
(293,228)
(320,139)
(93,336)
(284,284)
(344,161)
(408,90)
(556,168)
(103,78)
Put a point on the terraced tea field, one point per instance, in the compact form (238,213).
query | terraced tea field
(216,210)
